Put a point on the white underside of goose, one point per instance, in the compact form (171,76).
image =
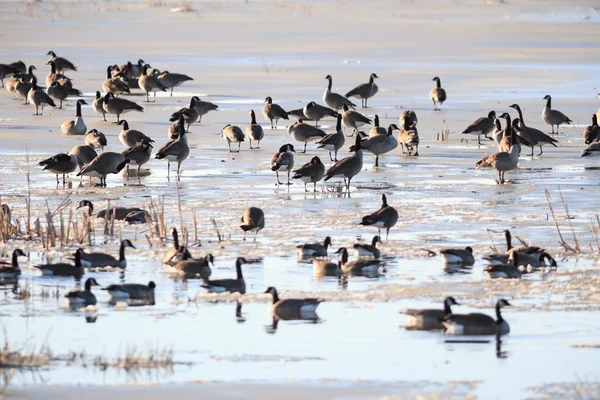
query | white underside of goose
(452,328)
(306,179)
(497,274)
(308,309)
(362,252)
(329,147)
(47,272)
(452,258)
(119,294)
(217,289)
(371,268)
(172,158)
(306,252)
(75,301)
(378,224)
(9,274)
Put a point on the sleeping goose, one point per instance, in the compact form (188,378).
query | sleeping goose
(237,285)
(273,112)
(60,164)
(95,139)
(312,171)
(131,292)
(334,100)
(38,97)
(102,260)
(253,220)
(254,131)
(131,137)
(63,269)
(314,249)
(60,62)
(75,126)
(386,217)
(553,117)
(150,84)
(11,270)
(437,94)
(477,323)
(283,161)
(118,106)
(290,309)
(103,165)
(305,133)
(348,167)
(334,141)
(82,298)
(429,319)
(368,250)
(353,119)
(119,212)
(482,127)
(365,90)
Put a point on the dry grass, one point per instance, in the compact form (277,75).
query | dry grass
(27,356)
(151,356)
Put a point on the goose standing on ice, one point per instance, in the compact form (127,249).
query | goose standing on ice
(437,94)
(553,117)
(76,126)
(365,90)
(335,101)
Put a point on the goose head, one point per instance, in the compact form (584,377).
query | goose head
(19,253)
(81,102)
(127,243)
(492,114)
(85,203)
(502,303)
(287,147)
(547,97)
(268,100)
(327,242)
(316,160)
(374,76)
(515,106)
(469,249)
(450,301)
(152,285)
(51,53)
(505,115)
(328,77)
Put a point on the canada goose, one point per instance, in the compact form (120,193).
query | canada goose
(334,141)
(84,153)
(204,107)
(533,136)
(553,117)
(29,75)
(104,164)
(366,267)
(101,260)
(314,249)
(305,133)
(531,262)
(233,134)
(131,137)
(498,133)
(334,100)
(324,267)
(113,105)
(477,323)
(506,141)
(150,84)
(22,87)
(376,129)
(11,270)
(133,70)
(98,105)
(60,164)
(119,212)
(285,309)
(437,94)
(195,267)
(53,76)
(317,112)
(254,131)
(505,271)
(60,92)
(138,155)
(273,112)
(365,90)
(5,70)
(348,167)
(368,250)
(386,217)
(483,126)
(298,113)
(175,150)
(381,144)
(11,85)
(429,319)
(312,171)
(173,131)
(138,217)
(283,161)
(190,113)
(409,137)
(253,220)
(521,249)
(354,119)
(592,132)
(458,256)
(592,150)
(95,139)
(76,126)
(171,80)
(410,114)
(38,97)
(83,298)
(173,255)
(63,269)
(237,285)
(114,85)
(60,62)
(131,292)
(503,161)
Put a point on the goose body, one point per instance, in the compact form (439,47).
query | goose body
(119,212)
(384,218)
(98,105)
(323,267)
(253,220)
(254,131)
(347,168)
(76,126)
(305,133)
(150,83)
(505,271)
(11,270)
(190,113)
(172,80)
(63,269)
(365,90)
(273,112)
(53,76)
(376,129)
(132,137)
(132,292)
(368,250)
(104,164)
(317,112)
(195,267)
(361,267)
(237,285)
(458,256)
(334,100)
(204,107)
(314,249)
(411,115)
(482,126)
(60,62)
(298,113)
(503,161)
(409,137)
(102,260)
(334,141)
(593,150)
(118,106)
(138,155)
(381,144)
(477,323)
(5,70)
(85,154)
(114,84)
(553,117)
(95,139)
(233,134)
(533,137)
(60,164)
(429,319)
(437,94)
(59,91)
(39,98)
(82,298)
(176,150)
(173,255)
(22,88)
(592,132)
(290,309)
(311,172)
(354,119)
(283,161)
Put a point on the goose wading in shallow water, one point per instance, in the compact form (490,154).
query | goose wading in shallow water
(361,267)
(429,319)
(60,164)
(131,292)
(285,309)
(386,217)
(458,256)
(365,90)
(348,167)
(477,323)
(380,144)
(314,249)
(138,155)
(334,141)
(63,269)
(104,164)
(237,285)
(102,260)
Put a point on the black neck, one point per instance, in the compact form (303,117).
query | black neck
(447,309)
(34,82)
(145,70)
(108,72)
(78,259)
(122,252)
(384,201)
(338,126)
(344,257)
(499,318)
(549,102)
(175,239)
(238,268)
(594,120)
(508,241)
(390,130)
(330,81)
(15,259)
(253,118)
(371,79)
(374,241)
(376,123)
(78,109)
(439,83)
(52,68)
(31,70)
(88,285)
(275,296)
(125,125)
(520,115)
